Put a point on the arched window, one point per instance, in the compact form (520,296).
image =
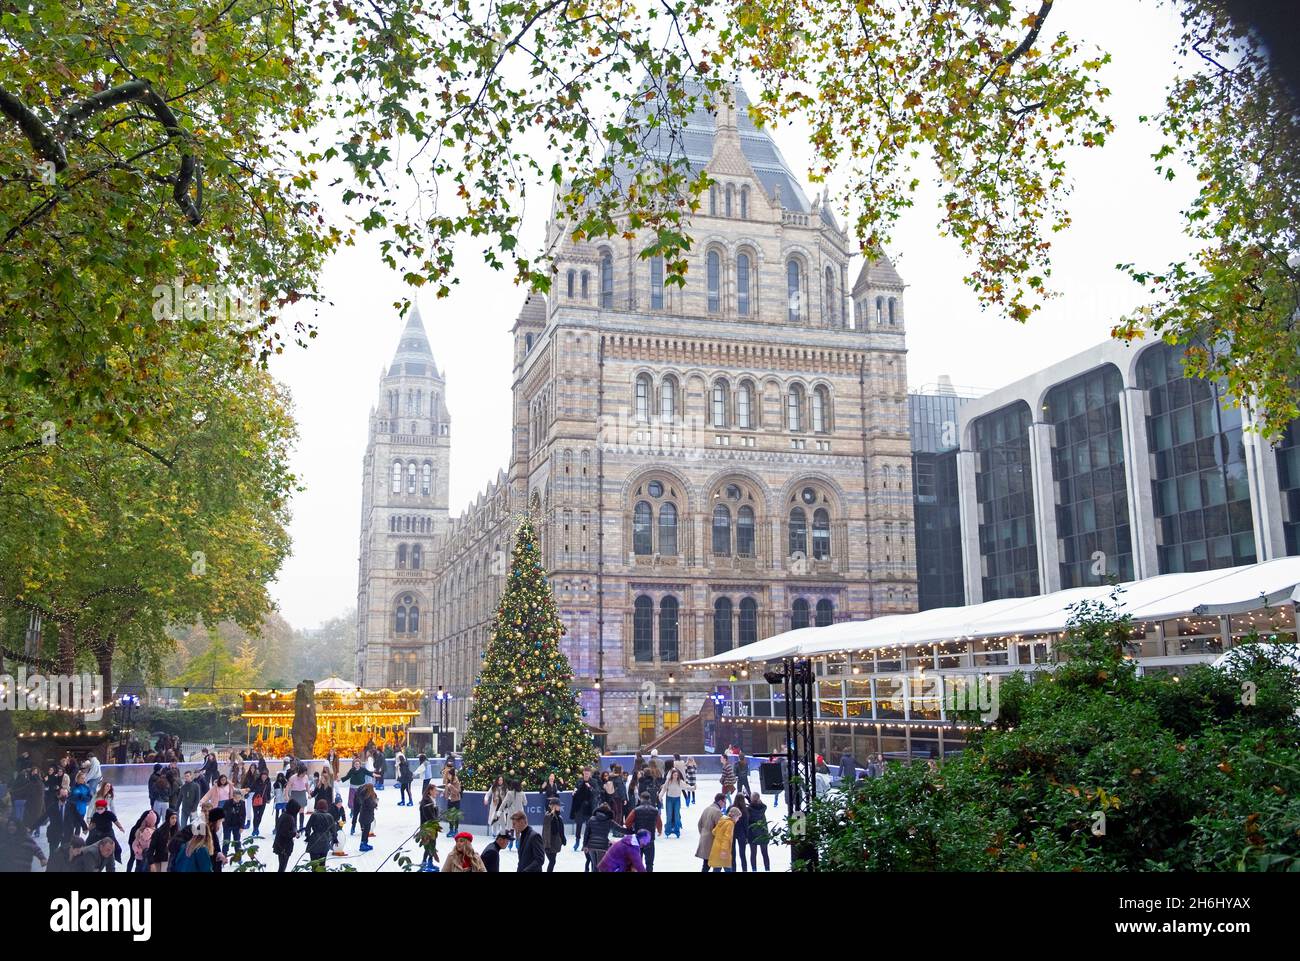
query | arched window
(715,281)
(643,398)
(720,403)
(799,614)
(892,302)
(744,203)
(721,625)
(668,400)
(742,285)
(528,343)
(748,633)
(819,408)
(880,310)
(668,629)
(586,285)
(713,201)
(417,557)
(397,477)
(410,478)
(794,408)
(406,618)
(606,279)
(392,525)
(731,192)
(721,531)
(573,276)
(792,289)
(668,529)
(829,309)
(798,532)
(641,533)
(821,539)
(745,531)
(426,479)
(401,557)
(643,615)
(656,283)
(825,612)
(745,406)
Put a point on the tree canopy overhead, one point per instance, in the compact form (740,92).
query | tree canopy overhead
(987,97)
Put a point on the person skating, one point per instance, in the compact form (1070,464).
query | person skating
(758,832)
(451,788)
(321,833)
(625,854)
(724,833)
(286,829)
(596,840)
(532,856)
(429,813)
(742,773)
(463,859)
(18,848)
(404,778)
(491,855)
(494,801)
(740,837)
(191,796)
(728,774)
(92,857)
(515,801)
(709,819)
(196,855)
(671,795)
(689,772)
(355,779)
(581,805)
(260,799)
(102,824)
(645,817)
(160,844)
(553,839)
(138,841)
(233,824)
(367,802)
(424,770)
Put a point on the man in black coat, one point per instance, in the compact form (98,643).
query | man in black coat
(65,822)
(491,855)
(532,855)
(583,804)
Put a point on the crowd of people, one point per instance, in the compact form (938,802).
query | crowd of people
(204,820)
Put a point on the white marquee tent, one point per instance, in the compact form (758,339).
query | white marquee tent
(1229,591)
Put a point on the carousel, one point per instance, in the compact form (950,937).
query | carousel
(348,718)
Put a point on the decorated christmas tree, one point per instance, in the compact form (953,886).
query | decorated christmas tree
(526,722)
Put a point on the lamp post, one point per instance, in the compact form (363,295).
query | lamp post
(443,699)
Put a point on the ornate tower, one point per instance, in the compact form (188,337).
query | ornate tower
(404,496)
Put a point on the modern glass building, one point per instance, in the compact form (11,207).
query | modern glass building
(1114,466)
(935,504)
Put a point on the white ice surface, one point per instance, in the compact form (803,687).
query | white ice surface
(393,825)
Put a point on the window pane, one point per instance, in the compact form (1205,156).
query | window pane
(798,533)
(668,529)
(641,529)
(742,278)
(745,532)
(715,281)
(656,283)
(792,291)
(721,530)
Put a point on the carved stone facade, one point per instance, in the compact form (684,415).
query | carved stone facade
(708,465)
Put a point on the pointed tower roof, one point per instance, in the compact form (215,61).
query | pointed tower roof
(413,355)
(878,273)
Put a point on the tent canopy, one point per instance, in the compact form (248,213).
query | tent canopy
(1229,591)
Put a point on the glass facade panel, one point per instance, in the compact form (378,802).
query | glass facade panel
(1092,522)
(1003,491)
(1202,499)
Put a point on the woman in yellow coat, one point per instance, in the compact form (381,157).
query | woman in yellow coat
(723,831)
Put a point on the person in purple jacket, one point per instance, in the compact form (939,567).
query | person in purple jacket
(625,854)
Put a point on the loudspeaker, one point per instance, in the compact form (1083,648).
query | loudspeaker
(771,776)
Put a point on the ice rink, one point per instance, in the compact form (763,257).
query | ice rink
(394,826)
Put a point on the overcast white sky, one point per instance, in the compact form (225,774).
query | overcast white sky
(1122,212)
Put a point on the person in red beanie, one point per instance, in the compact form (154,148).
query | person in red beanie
(463,859)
